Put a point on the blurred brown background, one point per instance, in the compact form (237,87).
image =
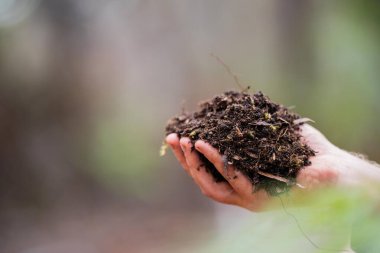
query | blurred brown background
(86,88)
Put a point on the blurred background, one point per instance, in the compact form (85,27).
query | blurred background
(86,88)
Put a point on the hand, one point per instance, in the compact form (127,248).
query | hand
(330,165)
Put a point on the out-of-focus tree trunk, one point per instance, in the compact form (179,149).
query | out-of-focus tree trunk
(297,59)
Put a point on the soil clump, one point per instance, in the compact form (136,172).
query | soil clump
(258,137)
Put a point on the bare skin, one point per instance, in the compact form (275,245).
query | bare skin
(330,166)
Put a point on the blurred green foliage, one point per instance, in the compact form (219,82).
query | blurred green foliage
(323,222)
(124,156)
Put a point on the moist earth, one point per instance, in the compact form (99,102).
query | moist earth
(256,136)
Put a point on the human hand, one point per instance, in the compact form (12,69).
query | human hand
(330,166)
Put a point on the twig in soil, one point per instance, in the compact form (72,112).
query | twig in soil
(228,69)
(278,178)
(302,120)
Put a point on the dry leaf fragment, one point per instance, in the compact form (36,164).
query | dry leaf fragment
(163,148)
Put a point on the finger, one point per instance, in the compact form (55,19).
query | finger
(221,192)
(186,145)
(173,141)
(237,180)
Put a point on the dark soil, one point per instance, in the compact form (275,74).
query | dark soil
(258,137)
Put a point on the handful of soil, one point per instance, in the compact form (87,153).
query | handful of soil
(258,137)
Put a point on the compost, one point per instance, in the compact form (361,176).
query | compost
(256,136)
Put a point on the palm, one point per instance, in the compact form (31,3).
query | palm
(237,190)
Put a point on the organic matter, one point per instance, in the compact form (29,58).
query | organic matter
(253,134)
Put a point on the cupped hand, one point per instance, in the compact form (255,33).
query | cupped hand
(237,189)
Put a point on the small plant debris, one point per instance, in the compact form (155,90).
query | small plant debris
(258,137)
